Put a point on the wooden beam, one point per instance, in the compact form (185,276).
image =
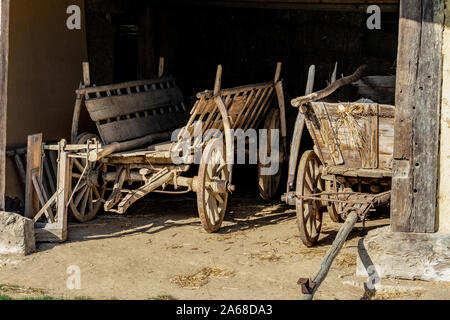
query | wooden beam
(418,93)
(147,52)
(313,5)
(63,198)
(34,161)
(4,54)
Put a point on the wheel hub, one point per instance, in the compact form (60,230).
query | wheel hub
(93,178)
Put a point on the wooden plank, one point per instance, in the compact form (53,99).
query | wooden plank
(20,168)
(123,85)
(34,164)
(63,197)
(129,129)
(374,140)
(116,106)
(146,41)
(86,74)
(418,92)
(359,172)
(4,55)
(46,206)
(42,196)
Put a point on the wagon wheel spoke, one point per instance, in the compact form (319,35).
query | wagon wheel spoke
(79,196)
(78,165)
(81,186)
(86,200)
(90,200)
(211,204)
(213,210)
(96,193)
(309,180)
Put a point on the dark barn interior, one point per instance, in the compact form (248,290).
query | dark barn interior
(126,38)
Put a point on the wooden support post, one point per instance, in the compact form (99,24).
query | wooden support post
(34,165)
(4,54)
(298,132)
(147,52)
(86,75)
(161,67)
(418,93)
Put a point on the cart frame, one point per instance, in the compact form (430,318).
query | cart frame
(146,157)
(353,148)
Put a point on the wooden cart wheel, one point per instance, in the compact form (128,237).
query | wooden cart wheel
(88,198)
(269,184)
(309,212)
(335,208)
(212,194)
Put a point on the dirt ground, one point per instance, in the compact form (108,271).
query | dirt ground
(159,250)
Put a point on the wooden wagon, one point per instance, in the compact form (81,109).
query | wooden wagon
(350,168)
(139,141)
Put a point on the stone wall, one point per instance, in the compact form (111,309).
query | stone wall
(16,234)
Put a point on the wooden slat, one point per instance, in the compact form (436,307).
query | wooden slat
(129,129)
(4,54)
(418,92)
(116,106)
(123,85)
(328,132)
(373,139)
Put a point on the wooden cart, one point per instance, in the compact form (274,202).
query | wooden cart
(350,168)
(135,122)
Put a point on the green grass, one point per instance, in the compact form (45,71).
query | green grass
(44,298)
(164,297)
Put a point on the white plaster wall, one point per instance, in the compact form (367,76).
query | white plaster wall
(444,175)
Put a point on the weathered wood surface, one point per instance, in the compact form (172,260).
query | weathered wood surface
(246,107)
(4,55)
(57,231)
(136,109)
(96,155)
(358,172)
(418,92)
(298,131)
(116,106)
(332,253)
(370,147)
(146,41)
(34,165)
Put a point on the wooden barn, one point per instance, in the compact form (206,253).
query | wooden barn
(42,54)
